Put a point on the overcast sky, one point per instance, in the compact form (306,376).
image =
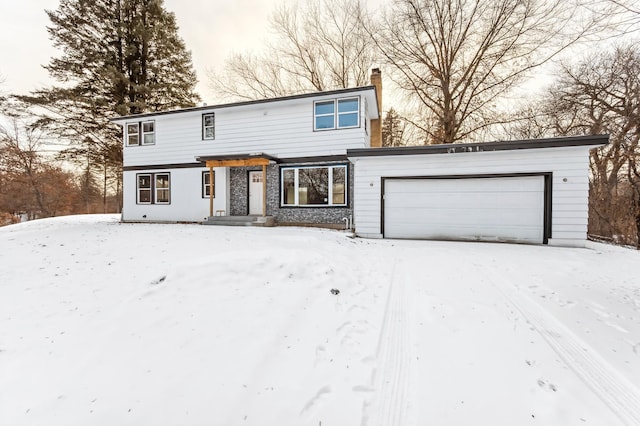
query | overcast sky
(211,29)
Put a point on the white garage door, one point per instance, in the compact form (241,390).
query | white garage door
(482,209)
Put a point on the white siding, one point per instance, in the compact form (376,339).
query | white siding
(187,204)
(282,129)
(569,198)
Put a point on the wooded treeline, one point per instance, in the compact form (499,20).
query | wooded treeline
(459,70)
(117,57)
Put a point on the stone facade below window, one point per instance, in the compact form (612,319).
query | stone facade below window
(239,202)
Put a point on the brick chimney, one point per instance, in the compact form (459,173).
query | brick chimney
(376,125)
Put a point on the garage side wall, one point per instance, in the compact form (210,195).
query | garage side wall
(570,183)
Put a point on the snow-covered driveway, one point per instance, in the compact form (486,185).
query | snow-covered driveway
(105,323)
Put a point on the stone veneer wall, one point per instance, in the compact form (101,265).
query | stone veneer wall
(239,177)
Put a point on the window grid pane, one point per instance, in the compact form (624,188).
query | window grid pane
(324,115)
(206,187)
(323,108)
(348,120)
(133,136)
(313,186)
(348,112)
(208,126)
(144,189)
(339,185)
(288,187)
(148,133)
(324,122)
(348,105)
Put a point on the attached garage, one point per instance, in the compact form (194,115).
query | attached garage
(507,208)
(533,191)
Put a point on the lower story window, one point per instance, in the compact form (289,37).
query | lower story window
(154,188)
(207,186)
(314,186)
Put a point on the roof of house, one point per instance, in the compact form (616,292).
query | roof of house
(251,102)
(481,146)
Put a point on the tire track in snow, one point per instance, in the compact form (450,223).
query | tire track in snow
(390,379)
(621,396)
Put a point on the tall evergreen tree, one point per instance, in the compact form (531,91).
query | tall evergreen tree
(393,127)
(117,57)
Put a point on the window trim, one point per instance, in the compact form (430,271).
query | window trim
(137,133)
(336,114)
(156,189)
(296,188)
(204,127)
(138,189)
(143,133)
(204,185)
(357,112)
(316,115)
(140,133)
(153,198)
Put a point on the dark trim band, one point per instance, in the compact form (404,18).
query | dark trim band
(164,166)
(455,148)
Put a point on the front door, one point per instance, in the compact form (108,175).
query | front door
(255,193)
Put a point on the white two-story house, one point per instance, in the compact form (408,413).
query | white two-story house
(281,160)
(315,159)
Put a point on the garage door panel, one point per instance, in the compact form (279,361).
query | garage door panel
(489,209)
(472,233)
(485,215)
(500,200)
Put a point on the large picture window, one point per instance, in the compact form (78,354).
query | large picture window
(207,187)
(153,188)
(314,186)
(336,114)
(208,126)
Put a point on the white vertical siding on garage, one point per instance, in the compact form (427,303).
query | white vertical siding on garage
(187,204)
(283,129)
(570,183)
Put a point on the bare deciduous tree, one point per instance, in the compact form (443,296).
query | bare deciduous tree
(28,183)
(456,58)
(320,45)
(600,94)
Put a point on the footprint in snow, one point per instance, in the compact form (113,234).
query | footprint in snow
(547,385)
(159,280)
(321,394)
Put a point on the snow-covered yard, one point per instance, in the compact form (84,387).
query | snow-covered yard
(103,323)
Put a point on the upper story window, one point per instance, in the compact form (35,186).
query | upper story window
(133,134)
(209,126)
(336,114)
(148,133)
(141,133)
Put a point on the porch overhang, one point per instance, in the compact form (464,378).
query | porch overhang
(239,160)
